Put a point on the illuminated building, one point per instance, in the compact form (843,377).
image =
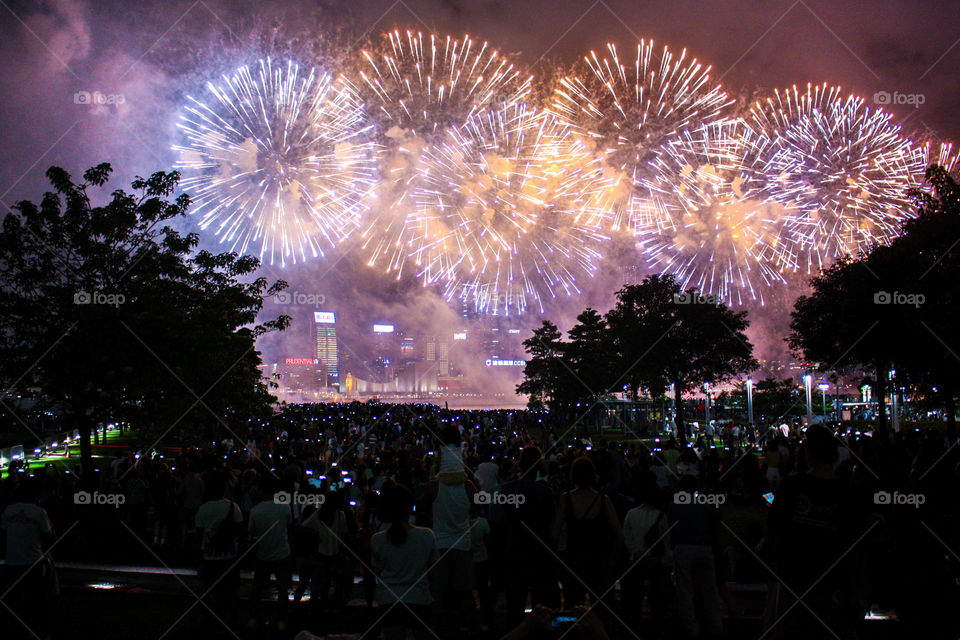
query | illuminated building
(438,351)
(443,358)
(407,346)
(325,324)
(298,379)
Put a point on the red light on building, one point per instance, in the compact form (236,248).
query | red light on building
(300,361)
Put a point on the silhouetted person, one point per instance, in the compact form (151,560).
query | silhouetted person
(647,536)
(528,521)
(693,533)
(402,556)
(28,573)
(593,538)
(219,524)
(812,531)
(269,521)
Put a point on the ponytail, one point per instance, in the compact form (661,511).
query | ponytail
(395,504)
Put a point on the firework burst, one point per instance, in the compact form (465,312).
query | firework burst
(706,223)
(500,218)
(278,162)
(943,154)
(416,88)
(840,170)
(628,110)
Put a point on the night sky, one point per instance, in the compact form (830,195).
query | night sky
(150,55)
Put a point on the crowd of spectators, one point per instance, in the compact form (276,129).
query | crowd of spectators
(438,520)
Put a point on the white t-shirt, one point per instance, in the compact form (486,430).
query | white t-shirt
(402,570)
(268,524)
(209,516)
(636,525)
(25,524)
(451,516)
(479,527)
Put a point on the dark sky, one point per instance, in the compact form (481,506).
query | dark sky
(153,52)
(149,55)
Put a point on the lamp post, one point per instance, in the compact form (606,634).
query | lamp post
(895,404)
(808,391)
(823,386)
(706,404)
(750,401)
(673,405)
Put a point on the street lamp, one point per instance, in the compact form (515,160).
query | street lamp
(808,390)
(895,408)
(823,386)
(706,404)
(750,401)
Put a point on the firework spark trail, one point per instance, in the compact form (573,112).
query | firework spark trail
(430,149)
(943,154)
(499,220)
(841,171)
(416,88)
(629,113)
(278,162)
(716,236)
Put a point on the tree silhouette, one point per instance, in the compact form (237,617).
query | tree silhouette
(588,356)
(655,335)
(896,308)
(110,314)
(544,372)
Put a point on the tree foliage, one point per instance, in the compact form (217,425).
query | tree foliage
(896,308)
(110,314)
(655,335)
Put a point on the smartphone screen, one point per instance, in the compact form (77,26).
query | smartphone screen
(560,621)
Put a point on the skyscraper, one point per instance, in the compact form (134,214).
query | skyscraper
(443,358)
(407,346)
(326,326)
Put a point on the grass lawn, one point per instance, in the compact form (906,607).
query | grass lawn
(107,448)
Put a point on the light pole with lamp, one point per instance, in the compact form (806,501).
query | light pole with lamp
(895,404)
(706,404)
(823,386)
